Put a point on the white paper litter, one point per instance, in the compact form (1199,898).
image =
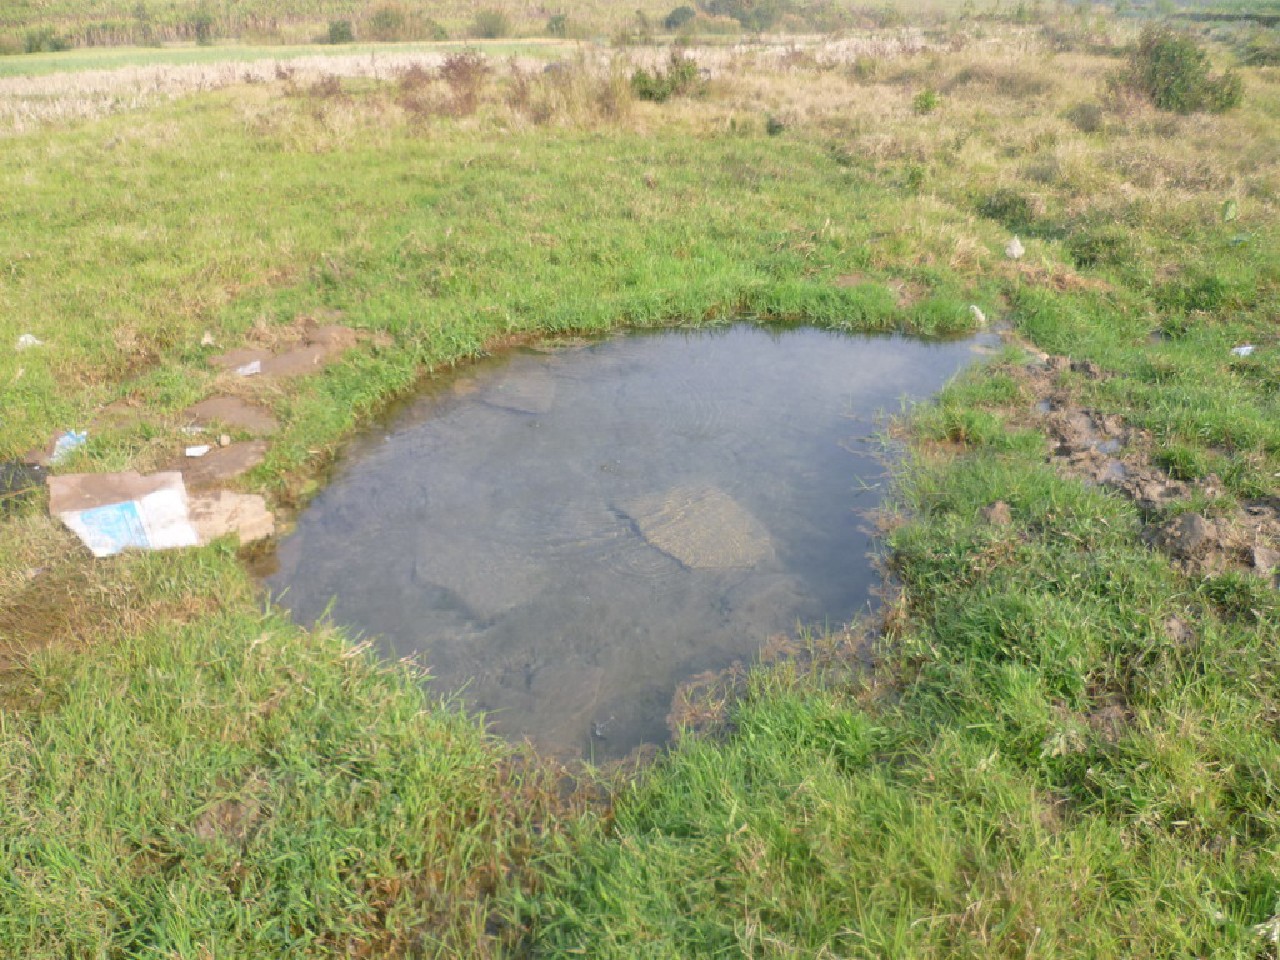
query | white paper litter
(27,341)
(1244,351)
(198,451)
(250,369)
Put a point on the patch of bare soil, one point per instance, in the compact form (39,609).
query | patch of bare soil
(1103,450)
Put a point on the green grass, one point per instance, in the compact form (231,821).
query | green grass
(1039,765)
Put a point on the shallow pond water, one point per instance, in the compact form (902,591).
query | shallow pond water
(566,535)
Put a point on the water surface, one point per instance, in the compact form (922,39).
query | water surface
(566,535)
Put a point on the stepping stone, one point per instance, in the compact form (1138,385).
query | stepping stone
(702,527)
(526,392)
(217,514)
(298,362)
(233,412)
(222,464)
(240,357)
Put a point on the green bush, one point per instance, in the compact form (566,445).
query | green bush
(926,101)
(340,31)
(678,17)
(1199,292)
(752,14)
(202,26)
(558,25)
(680,78)
(1100,246)
(1170,70)
(45,40)
(1085,117)
(491,24)
(1009,208)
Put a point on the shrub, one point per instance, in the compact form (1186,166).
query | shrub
(491,24)
(1101,246)
(202,26)
(926,101)
(681,77)
(558,25)
(774,126)
(752,14)
(1009,208)
(1085,117)
(1202,292)
(1170,70)
(1261,49)
(465,74)
(340,31)
(45,40)
(678,17)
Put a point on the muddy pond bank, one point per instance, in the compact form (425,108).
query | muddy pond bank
(562,536)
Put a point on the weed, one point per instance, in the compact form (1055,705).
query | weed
(1108,245)
(680,78)
(1087,116)
(1010,208)
(926,101)
(465,74)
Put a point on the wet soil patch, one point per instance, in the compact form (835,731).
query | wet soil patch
(1105,450)
(562,538)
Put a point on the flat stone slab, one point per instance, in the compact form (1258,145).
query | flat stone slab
(320,347)
(524,393)
(232,412)
(222,464)
(217,514)
(702,527)
(239,357)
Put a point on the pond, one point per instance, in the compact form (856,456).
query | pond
(561,536)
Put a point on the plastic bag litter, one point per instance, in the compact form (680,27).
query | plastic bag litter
(27,341)
(67,444)
(250,369)
(1014,249)
(1244,350)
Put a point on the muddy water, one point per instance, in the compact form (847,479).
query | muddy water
(564,536)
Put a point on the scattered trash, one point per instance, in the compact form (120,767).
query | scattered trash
(192,431)
(224,440)
(979,317)
(1244,350)
(1014,250)
(67,444)
(251,369)
(198,451)
(27,341)
(112,512)
(207,340)
(1230,210)
(17,481)
(1240,239)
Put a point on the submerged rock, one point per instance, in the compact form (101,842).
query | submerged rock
(700,527)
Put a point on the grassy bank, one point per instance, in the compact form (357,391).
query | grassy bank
(1066,748)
